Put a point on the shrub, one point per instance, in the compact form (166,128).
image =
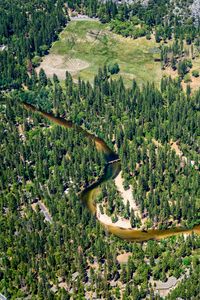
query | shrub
(195,73)
(113,68)
(187,78)
(148,36)
(36,61)
(184,66)
(114,218)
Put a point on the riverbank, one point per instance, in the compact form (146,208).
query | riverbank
(127,195)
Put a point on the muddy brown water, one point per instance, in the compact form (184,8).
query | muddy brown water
(112,169)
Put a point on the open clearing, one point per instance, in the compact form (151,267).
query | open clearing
(86,45)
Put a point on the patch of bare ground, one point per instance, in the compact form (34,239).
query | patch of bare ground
(123,258)
(59,64)
(156,143)
(21,132)
(93,35)
(24,87)
(175,147)
(170,72)
(43,209)
(194,83)
(127,195)
(63,285)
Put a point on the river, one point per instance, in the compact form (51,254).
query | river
(112,169)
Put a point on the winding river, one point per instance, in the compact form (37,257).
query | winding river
(112,169)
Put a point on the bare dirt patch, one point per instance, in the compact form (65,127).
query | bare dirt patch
(127,195)
(194,83)
(123,258)
(175,147)
(59,64)
(169,72)
(43,209)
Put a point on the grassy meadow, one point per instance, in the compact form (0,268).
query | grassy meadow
(92,42)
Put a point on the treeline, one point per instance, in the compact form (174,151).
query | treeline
(27,29)
(166,18)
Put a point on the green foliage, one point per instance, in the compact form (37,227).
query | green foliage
(195,73)
(36,60)
(113,68)
(41,161)
(187,78)
(28,29)
(184,66)
(134,57)
(48,163)
(159,16)
(128,28)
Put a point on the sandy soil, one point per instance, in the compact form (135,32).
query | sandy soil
(156,143)
(123,258)
(126,196)
(194,83)
(21,132)
(106,220)
(176,148)
(170,72)
(63,285)
(59,64)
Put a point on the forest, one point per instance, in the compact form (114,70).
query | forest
(27,30)
(167,18)
(47,160)
(155,132)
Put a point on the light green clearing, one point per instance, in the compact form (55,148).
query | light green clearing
(93,42)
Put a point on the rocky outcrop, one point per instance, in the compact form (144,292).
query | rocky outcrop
(195,11)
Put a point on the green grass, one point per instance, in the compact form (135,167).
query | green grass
(135,57)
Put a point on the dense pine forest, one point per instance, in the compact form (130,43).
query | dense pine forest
(41,162)
(27,29)
(51,246)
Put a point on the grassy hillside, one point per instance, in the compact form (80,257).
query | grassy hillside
(84,46)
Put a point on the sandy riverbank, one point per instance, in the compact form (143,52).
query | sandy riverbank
(126,195)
